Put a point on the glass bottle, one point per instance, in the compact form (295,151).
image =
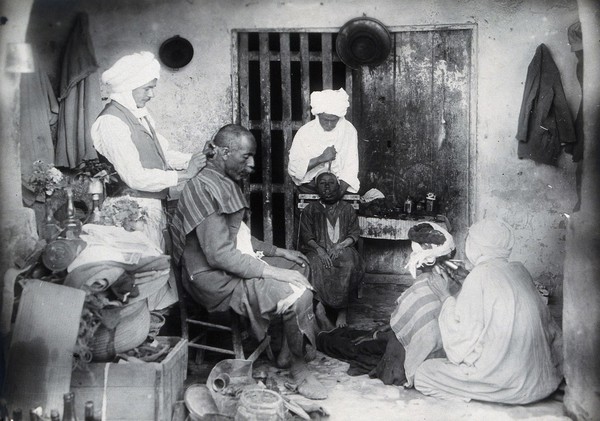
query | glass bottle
(71,225)
(408,205)
(69,407)
(94,216)
(51,226)
(89,411)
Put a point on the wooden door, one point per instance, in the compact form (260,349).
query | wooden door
(413,115)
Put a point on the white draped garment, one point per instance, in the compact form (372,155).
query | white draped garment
(501,342)
(311,140)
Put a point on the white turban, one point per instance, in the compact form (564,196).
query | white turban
(329,102)
(421,256)
(487,239)
(131,72)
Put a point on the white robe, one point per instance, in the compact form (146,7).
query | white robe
(500,340)
(311,140)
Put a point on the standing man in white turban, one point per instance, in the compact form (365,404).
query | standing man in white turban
(501,342)
(329,143)
(125,135)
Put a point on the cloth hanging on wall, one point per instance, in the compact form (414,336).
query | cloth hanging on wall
(545,122)
(575,40)
(79,97)
(39,111)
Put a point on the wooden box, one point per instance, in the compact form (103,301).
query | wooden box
(134,391)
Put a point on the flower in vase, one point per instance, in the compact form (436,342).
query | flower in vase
(46,178)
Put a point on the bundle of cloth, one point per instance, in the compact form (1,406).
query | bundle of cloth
(125,278)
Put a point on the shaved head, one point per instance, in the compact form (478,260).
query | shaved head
(231,136)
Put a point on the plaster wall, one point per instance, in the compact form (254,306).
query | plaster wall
(196,100)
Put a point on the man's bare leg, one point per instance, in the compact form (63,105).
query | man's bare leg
(298,324)
(342,318)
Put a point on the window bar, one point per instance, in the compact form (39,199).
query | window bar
(265,100)
(305,83)
(286,116)
(326,60)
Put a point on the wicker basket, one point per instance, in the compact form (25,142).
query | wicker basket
(130,331)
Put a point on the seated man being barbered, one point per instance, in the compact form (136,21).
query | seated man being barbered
(229,269)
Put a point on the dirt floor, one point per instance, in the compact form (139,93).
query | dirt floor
(362,398)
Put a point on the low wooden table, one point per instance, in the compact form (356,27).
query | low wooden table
(395,229)
(390,229)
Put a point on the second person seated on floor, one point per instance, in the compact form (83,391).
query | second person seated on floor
(328,232)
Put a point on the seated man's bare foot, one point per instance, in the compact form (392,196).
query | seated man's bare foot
(306,382)
(342,317)
(322,319)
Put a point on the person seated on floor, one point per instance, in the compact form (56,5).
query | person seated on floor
(500,340)
(393,351)
(327,143)
(231,270)
(328,231)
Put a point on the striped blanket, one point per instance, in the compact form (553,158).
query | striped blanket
(415,323)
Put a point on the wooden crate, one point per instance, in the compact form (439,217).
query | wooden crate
(134,391)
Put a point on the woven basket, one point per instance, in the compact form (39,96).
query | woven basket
(130,332)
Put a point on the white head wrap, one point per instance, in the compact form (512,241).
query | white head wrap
(131,72)
(329,102)
(488,239)
(421,256)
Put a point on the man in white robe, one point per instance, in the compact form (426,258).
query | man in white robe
(329,143)
(501,342)
(124,134)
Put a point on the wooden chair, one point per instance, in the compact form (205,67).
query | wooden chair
(192,314)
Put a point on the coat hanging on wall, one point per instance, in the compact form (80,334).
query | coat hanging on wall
(39,111)
(79,97)
(545,122)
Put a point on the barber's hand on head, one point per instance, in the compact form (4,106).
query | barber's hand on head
(439,284)
(197,162)
(328,154)
(293,256)
(286,275)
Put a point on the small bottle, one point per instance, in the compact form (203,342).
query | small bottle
(69,407)
(94,216)
(54,415)
(408,205)
(89,411)
(33,416)
(430,202)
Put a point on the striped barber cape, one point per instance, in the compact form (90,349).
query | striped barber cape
(415,323)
